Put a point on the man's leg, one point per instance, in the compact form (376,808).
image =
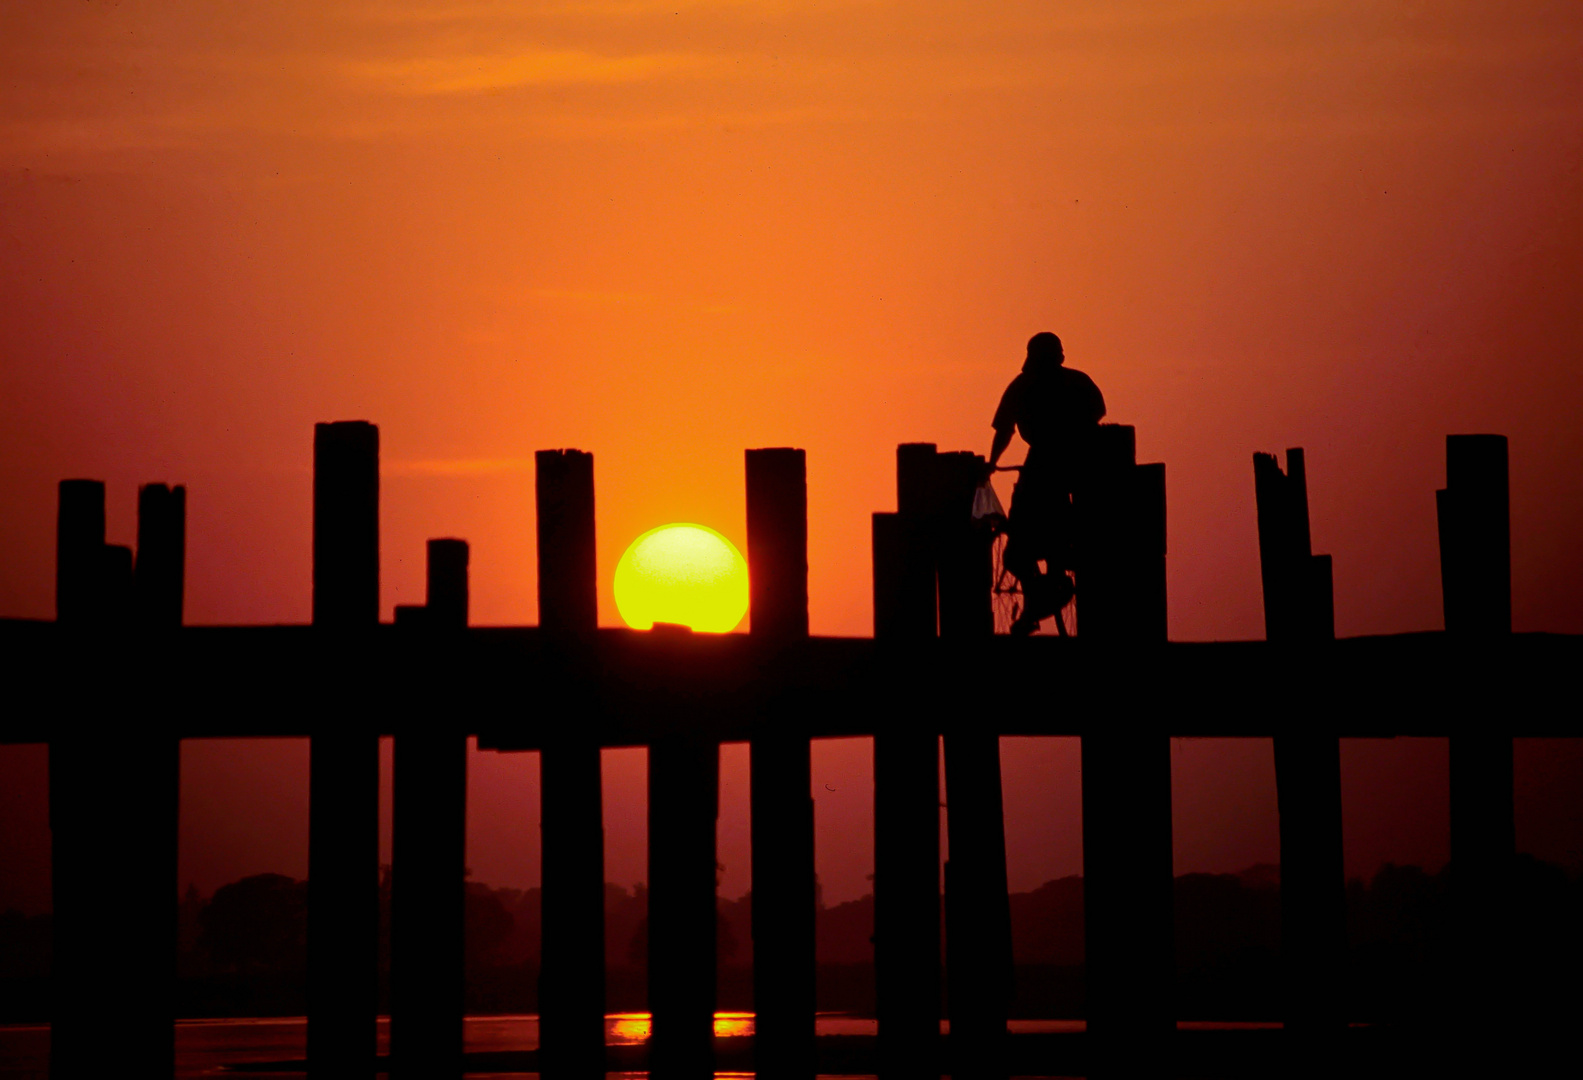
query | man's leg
(1023,564)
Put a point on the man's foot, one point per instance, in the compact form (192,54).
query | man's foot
(1026,624)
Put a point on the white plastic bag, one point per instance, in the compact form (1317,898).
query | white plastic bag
(986,503)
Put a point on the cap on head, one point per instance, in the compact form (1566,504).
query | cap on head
(1045,347)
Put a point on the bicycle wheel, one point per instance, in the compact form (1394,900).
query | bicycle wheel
(1006,590)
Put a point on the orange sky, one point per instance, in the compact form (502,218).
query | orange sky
(668,232)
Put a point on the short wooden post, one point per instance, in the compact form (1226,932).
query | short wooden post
(79,547)
(112,818)
(907,947)
(429,843)
(1127,859)
(978,914)
(1475,536)
(783,825)
(1475,574)
(684,800)
(1298,610)
(343,760)
(572,965)
(447,599)
(159,577)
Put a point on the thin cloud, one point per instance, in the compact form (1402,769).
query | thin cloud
(466,74)
(457,466)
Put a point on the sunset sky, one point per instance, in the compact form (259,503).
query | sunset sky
(665,233)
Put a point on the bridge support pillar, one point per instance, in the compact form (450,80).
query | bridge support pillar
(429,841)
(907,944)
(1474,513)
(684,801)
(783,815)
(343,760)
(1299,612)
(1129,917)
(572,971)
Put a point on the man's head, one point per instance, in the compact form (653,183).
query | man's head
(1044,351)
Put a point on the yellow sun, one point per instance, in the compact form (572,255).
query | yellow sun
(687,574)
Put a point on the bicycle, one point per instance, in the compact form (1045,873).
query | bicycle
(1006,590)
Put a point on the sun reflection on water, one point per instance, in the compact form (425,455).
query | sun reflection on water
(626,1029)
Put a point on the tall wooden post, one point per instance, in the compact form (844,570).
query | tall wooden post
(1127,859)
(112,819)
(978,914)
(783,822)
(572,968)
(907,951)
(343,759)
(1475,574)
(429,842)
(1299,612)
(684,802)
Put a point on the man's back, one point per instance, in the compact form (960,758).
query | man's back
(1052,407)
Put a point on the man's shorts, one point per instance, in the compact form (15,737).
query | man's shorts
(1040,523)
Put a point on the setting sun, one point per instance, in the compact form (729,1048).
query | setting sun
(683,573)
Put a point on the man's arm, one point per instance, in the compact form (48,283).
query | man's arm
(998,447)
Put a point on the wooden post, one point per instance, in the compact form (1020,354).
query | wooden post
(1298,610)
(572,965)
(784,901)
(112,819)
(343,760)
(1127,859)
(447,599)
(978,914)
(429,842)
(79,546)
(1119,516)
(907,951)
(684,800)
(1129,949)
(1475,536)
(161,555)
(1475,574)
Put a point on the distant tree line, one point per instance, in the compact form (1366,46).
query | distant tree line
(243,951)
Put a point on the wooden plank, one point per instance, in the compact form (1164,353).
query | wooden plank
(782,823)
(571,823)
(343,759)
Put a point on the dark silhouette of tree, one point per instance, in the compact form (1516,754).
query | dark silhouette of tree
(488,924)
(257,924)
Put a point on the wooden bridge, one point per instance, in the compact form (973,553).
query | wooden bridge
(116,683)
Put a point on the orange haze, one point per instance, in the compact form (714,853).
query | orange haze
(668,232)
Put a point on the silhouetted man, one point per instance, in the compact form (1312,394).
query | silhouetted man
(1055,409)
